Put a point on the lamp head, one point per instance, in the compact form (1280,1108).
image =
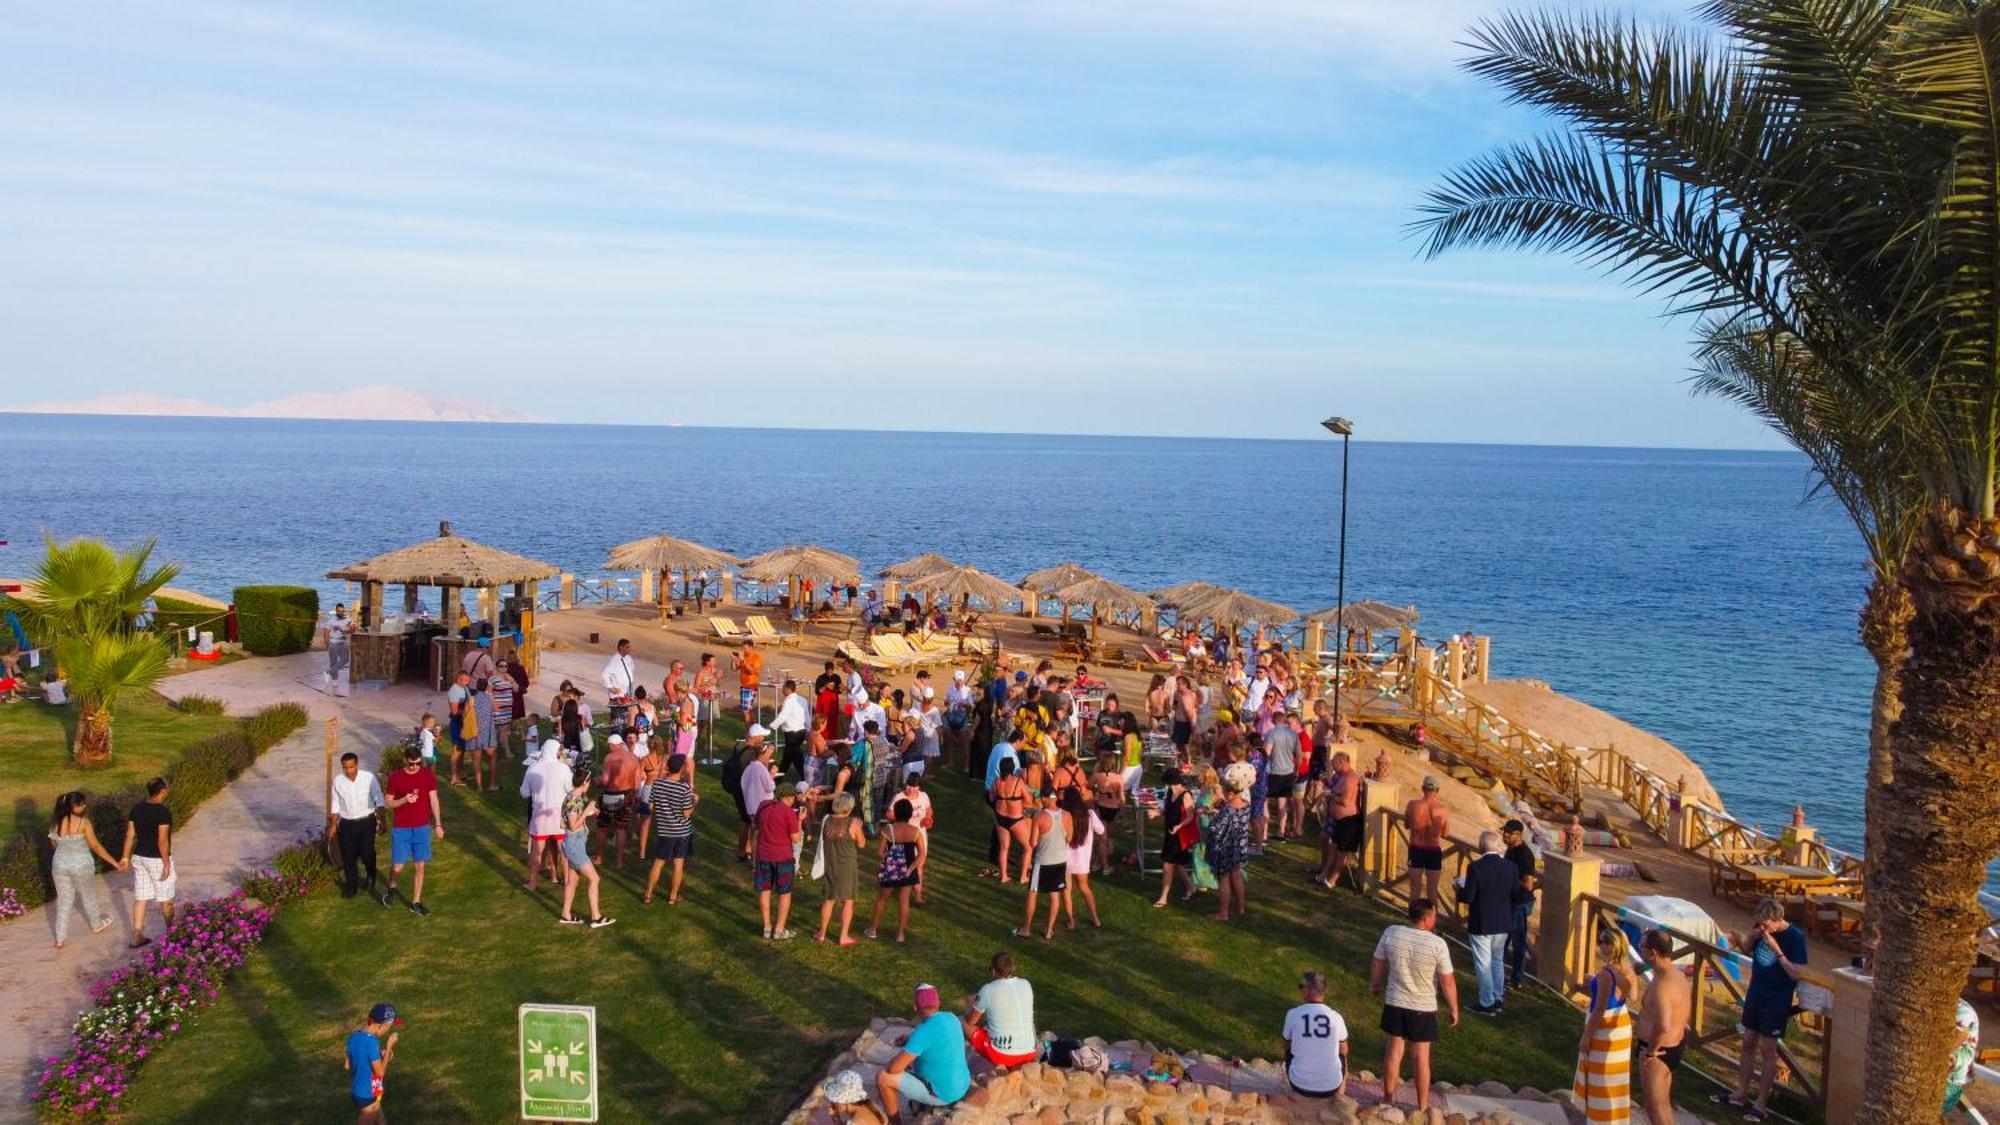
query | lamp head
(1340,426)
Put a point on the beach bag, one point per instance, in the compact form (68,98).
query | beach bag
(468,722)
(957,716)
(819,850)
(1061,1050)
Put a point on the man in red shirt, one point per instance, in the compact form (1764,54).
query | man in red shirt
(413,820)
(778,833)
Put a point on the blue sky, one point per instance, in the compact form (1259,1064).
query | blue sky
(1133,216)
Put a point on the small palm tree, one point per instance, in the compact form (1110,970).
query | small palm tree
(84,602)
(84,588)
(101,669)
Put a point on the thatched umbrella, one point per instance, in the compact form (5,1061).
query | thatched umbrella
(663,555)
(1186,593)
(1367,616)
(1051,579)
(930,562)
(1234,607)
(1103,596)
(963,582)
(1047,581)
(796,563)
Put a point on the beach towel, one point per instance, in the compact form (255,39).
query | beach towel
(1604,1074)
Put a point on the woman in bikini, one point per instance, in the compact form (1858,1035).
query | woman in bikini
(1108,784)
(1010,804)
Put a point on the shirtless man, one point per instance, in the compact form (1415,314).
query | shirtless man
(1340,820)
(1660,1033)
(1187,704)
(1429,821)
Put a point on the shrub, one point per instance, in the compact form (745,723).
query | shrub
(10,906)
(274,724)
(199,776)
(200,705)
(23,869)
(306,859)
(276,620)
(272,889)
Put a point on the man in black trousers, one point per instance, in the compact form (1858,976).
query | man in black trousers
(350,810)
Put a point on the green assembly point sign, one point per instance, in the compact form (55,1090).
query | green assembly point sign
(558,1063)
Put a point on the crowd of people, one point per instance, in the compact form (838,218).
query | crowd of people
(837,786)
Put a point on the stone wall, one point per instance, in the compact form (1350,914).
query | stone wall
(1216,1089)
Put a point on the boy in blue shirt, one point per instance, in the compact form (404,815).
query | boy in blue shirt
(368,1057)
(931,1069)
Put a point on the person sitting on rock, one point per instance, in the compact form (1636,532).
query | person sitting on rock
(930,1070)
(1005,1006)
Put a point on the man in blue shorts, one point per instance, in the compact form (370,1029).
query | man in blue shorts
(1776,950)
(368,1057)
(413,820)
(931,1069)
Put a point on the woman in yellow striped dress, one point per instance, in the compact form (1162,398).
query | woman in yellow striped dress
(1604,1055)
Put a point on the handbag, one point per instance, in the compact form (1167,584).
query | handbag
(819,850)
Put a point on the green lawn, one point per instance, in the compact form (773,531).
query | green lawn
(150,736)
(702,1020)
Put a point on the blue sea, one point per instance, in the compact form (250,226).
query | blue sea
(1697,594)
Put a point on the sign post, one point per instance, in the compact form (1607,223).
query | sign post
(558,1053)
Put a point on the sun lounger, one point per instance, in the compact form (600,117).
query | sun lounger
(726,629)
(896,649)
(761,629)
(863,657)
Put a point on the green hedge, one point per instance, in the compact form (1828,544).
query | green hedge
(200,774)
(276,620)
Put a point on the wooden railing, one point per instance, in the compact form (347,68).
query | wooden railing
(1719,977)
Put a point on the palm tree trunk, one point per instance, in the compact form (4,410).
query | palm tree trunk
(93,735)
(1885,632)
(1943,824)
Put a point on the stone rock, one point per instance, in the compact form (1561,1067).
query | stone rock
(979,1097)
(1491,1089)
(1032,1072)
(1051,1116)
(877,1024)
(1457,1119)
(1386,1114)
(880,1053)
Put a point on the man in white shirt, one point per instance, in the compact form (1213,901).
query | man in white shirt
(757,785)
(350,808)
(619,678)
(794,719)
(1412,965)
(1315,1042)
(867,711)
(1005,1006)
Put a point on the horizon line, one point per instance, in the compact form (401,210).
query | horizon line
(529,423)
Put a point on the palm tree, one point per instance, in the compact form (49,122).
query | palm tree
(1837,427)
(84,602)
(101,668)
(1828,171)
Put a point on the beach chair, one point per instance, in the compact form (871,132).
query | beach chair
(763,632)
(863,657)
(726,629)
(895,648)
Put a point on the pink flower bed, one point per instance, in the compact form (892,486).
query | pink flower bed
(147,1000)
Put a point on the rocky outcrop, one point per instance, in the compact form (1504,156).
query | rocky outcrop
(1214,1090)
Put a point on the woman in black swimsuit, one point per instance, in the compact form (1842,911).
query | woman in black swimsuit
(1176,852)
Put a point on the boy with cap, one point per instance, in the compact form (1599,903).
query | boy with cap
(778,835)
(368,1058)
(930,1070)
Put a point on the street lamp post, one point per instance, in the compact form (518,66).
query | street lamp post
(1345,429)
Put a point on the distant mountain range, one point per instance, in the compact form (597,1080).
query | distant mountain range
(376,403)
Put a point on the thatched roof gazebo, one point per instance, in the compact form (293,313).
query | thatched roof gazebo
(664,555)
(454,564)
(1050,579)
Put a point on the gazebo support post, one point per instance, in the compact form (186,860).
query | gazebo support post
(449,609)
(410,599)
